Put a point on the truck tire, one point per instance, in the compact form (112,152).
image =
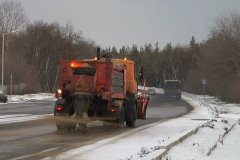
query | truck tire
(130,110)
(121,116)
(119,122)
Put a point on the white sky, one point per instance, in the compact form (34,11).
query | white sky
(127,22)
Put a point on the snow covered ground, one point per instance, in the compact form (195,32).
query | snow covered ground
(210,131)
(217,139)
(13,118)
(30,97)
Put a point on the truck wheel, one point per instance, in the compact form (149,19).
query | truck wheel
(131,112)
(119,122)
(121,117)
(130,123)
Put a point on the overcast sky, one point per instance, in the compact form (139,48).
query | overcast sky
(127,22)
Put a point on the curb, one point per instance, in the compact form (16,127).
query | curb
(220,140)
(167,147)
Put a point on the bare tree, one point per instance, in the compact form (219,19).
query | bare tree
(12,16)
(228,31)
(227,27)
(219,60)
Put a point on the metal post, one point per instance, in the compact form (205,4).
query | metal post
(3,34)
(11,84)
(204,90)
(2,59)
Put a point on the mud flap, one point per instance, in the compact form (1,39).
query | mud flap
(130,111)
(142,103)
(121,112)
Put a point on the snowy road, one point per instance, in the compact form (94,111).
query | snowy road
(210,131)
(14,118)
(37,139)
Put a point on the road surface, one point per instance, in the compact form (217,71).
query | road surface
(36,139)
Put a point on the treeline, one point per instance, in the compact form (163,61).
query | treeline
(32,50)
(159,65)
(32,55)
(216,60)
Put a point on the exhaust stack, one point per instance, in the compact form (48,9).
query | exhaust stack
(98,53)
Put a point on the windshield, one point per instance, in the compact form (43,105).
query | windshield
(172,85)
(84,71)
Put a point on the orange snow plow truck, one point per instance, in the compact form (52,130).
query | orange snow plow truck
(102,89)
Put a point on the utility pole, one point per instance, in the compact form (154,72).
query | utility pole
(11,84)
(204,83)
(3,34)
(2,59)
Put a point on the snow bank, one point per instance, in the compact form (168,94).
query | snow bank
(230,147)
(31,97)
(217,139)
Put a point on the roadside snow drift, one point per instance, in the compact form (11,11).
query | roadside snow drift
(30,97)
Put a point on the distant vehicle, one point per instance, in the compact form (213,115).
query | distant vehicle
(151,91)
(172,89)
(3,98)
